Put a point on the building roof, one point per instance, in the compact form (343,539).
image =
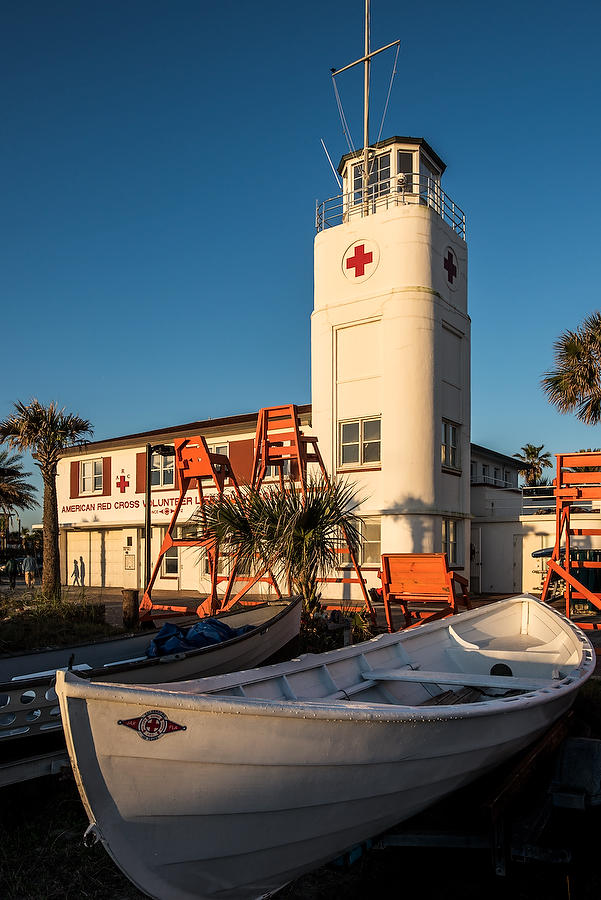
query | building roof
(224,423)
(417,141)
(493,454)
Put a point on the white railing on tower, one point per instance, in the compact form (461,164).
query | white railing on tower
(393,191)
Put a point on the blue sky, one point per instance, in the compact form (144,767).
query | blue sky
(160,164)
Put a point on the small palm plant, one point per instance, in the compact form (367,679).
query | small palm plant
(295,536)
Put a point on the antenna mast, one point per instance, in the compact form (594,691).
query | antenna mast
(365,59)
(366,105)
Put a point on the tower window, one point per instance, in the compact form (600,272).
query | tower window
(449,449)
(378,181)
(370,551)
(405,167)
(360,442)
(450,540)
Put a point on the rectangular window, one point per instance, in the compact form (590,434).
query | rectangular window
(171,556)
(91,477)
(450,444)
(429,185)
(378,179)
(370,553)
(405,168)
(485,475)
(496,475)
(274,471)
(360,442)
(220,449)
(162,470)
(450,540)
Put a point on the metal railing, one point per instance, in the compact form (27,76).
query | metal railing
(490,479)
(398,190)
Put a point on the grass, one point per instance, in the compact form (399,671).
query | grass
(29,621)
(42,856)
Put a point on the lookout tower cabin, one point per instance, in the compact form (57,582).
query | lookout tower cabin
(390,347)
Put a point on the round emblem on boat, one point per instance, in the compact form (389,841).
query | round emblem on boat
(360,260)
(153,725)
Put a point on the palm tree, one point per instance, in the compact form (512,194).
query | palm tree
(575,385)
(45,431)
(15,492)
(533,463)
(293,535)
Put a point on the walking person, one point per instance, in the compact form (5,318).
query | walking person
(75,573)
(29,570)
(82,570)
(11,570)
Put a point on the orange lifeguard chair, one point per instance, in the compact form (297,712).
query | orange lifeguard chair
(194,463)
(279,441)
(577,482)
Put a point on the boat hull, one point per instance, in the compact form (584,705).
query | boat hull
(261,791)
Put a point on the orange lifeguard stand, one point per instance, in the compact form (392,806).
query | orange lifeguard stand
(578,481)
(279,440)
(193,463)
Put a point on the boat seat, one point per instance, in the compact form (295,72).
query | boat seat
(466,679)
(452,698)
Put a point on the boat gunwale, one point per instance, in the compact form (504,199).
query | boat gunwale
(168,696)
(23,682)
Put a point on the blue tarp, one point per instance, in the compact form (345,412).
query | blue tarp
(172,639)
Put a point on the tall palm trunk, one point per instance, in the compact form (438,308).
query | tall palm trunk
(51,582)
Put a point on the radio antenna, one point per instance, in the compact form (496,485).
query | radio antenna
(336,176)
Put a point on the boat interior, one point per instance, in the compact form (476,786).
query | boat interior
(492,653)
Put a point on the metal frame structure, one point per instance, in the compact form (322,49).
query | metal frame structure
(194,463)
(279,440)
(577,482)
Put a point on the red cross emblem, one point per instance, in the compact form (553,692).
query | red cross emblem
(450,266)
(359,260)
(122,483)
(152,725)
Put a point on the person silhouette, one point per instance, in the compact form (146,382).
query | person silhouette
(82,570)
(75,573)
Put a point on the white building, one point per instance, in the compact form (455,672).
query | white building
(390,381)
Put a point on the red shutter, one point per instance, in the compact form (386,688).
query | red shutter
(141,472)
(241,454)
(74,492)
(106,476)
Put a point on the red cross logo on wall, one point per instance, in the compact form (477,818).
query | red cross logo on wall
(122,483)
(360,260)
(450,266)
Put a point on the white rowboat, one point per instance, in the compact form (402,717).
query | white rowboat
(231,786)
(28,704)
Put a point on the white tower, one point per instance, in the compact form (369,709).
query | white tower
(390,347)
(390,344)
